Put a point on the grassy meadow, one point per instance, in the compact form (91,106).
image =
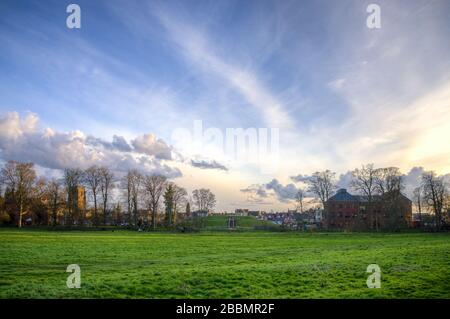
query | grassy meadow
(252,264)
(219,222)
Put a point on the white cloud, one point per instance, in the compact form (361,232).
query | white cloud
(22,140)
(150,145)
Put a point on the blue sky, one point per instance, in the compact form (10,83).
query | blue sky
(340,93)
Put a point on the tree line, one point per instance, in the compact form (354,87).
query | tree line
(145,196)
(56,201)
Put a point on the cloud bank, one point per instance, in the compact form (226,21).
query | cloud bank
(273,190)
(22,140)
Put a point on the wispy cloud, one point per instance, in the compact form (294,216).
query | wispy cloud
(200,51)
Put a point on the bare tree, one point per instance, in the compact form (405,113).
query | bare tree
(434,193)
(92,178)
(19,179)
(39,202)
(365,182)
(132,183)
(174,197)
(179,199)
(126,186)
(56,199)
(299,198)
(72,178)
(388,180)
(106,184)
(389,184)
(154,187)
(418,201)
(169,203)
(322,184)
(204,199)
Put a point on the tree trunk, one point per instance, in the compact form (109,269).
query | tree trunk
(174,213)
(154,218)
(104,213)
(55,217)
(20,214)
(95,211)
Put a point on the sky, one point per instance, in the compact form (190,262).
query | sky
(130,88)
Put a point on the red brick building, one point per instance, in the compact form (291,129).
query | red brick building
(346,211)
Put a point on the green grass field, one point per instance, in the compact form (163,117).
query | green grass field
(242,223)
(126,264)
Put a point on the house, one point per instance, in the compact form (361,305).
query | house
(347,211)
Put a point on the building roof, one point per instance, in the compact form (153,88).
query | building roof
(343,196)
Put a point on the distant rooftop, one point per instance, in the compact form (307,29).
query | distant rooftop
(343,196)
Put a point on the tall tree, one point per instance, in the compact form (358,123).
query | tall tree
(389,184)
(126,186)
(72,179)
(154,187)
(19,178)
(132,183)
(169,202)
(179,199)
(434,192)
(365,182)
(92,178)
(418,201)
(388,180)
(299,197)
(322,184)
(39,202)
(106,184)
(56,199)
